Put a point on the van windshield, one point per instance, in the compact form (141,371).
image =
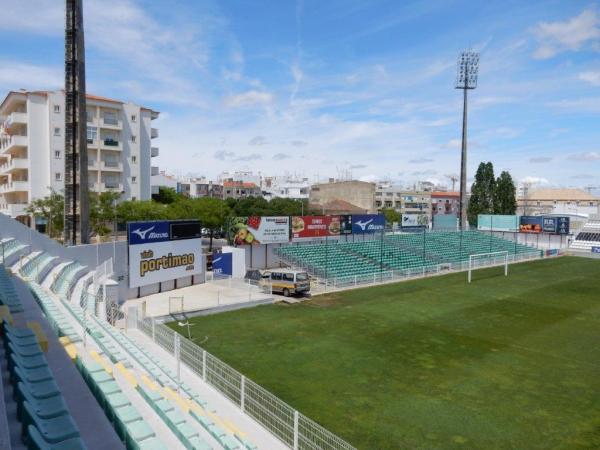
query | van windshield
(301,276)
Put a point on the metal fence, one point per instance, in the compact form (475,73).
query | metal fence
(294,429)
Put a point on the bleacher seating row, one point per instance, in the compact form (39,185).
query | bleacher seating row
(395,252)
(588,237)
(118,348)
(8,294)
(46,421)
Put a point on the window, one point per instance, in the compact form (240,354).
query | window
(56,131)
(275,276)
(92,134)
(110,118)
(56,108)
(133,138)
(58,176)
(134,198)
(134,159)
(89,116)
(133,117)
(133,180)
(57,154)
(288,276)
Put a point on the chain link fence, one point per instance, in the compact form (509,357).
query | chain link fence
(294,429)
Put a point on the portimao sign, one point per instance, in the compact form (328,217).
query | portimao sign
(163,250)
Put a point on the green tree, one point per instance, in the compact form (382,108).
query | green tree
(132,210)
(166,195)
(52,209)
(103,212)
(212,213)
(482,193)
(391,216)
(505,195)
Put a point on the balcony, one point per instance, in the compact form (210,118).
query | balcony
(112,166)
(154,170)
(15,118)
(13,209)
(111,124)
(111,144)
(15,186)
(153,133)
(153,152)
(9,143)
(14,164)
(92,164)
(106,186)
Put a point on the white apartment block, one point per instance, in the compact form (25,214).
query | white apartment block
(285,187)
(32,143)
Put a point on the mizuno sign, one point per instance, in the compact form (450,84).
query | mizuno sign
(367,223)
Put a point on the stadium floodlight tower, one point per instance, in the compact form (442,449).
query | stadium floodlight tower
(466,78)
(76,164)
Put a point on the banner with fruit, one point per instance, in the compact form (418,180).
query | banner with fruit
(316,226)
(261,230)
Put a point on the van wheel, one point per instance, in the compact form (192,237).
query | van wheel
(286,292)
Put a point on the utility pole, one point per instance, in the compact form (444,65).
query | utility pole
(76,160)
(468,67)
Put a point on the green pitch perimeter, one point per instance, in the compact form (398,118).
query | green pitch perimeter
(511,363)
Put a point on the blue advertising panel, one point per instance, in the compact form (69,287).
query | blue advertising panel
(530,224)
(549,224)
(595,249)
(367,223)
(222,263)
(563,225)
(147,232)
(556,225)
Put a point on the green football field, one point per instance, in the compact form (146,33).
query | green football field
(511,363)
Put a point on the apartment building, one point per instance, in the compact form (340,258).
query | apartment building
(199,187)
(445,203)
(119,140)
(285,187)
(240,189)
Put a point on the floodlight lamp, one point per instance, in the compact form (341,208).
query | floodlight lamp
(467,70)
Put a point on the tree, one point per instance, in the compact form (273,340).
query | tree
(166,195)
(51,208)
(132,210)
(391,216)
(482,193)
(505,201)
(103,212)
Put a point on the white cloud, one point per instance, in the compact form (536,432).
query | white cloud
(45,17)
(15,75)
(586,156)
(249,98)
(534,180)
(591,77)
(572,34)
(453,144)
(578,105)
(258,140)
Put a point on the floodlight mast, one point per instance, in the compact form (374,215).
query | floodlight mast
(466,78)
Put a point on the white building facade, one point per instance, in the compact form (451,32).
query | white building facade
(32,142)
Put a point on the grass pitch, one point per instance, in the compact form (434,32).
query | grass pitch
(435,363)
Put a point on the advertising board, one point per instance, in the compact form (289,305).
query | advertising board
(595,249)
(415,220)
(531,224)
(315,226)
(222,263)
(367,223)
(163,251)
(497,222)
(261,230)
(563,225)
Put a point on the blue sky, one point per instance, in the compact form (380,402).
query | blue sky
(320,87)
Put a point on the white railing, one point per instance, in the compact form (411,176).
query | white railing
(294,429)
(321,284)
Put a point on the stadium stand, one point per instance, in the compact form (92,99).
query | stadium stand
(588,237)
(398,252)
(142,397)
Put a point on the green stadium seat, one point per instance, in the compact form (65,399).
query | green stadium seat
(37,442)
